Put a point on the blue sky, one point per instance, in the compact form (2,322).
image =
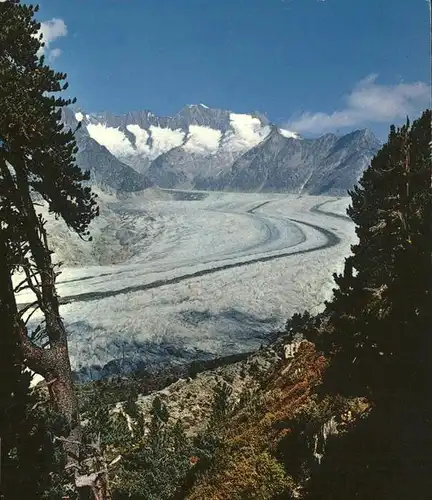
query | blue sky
(314,65)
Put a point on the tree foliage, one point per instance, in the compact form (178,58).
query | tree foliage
(378,332)
(28,454)
(32,138)
(37,163)
(381,311)
(158,462)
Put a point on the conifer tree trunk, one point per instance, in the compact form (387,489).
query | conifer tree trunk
(37,156)
(53,363)
(7,298)
(55,366)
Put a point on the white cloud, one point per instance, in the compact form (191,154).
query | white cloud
(368,102)
(51,30)
(54,53)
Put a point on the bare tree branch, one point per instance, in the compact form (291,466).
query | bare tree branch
(28,306)
(35,357)
(34,288)
(18,288)
(31,314)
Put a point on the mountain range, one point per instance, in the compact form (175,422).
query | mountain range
(212,149)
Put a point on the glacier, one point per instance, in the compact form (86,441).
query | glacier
(201,274)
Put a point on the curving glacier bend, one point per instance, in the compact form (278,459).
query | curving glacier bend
(198,275)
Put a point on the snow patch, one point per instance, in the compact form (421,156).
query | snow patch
(112,138)
(202,139)
(79,116)
(247,132)
(288,134)
(161,139)
(164,139)
(141,138)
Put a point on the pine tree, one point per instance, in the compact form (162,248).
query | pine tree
(159,461)
(37,160)
(378,328)
(28,455)
(381,307)
(14,385)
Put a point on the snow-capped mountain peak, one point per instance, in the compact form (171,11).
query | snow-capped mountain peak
(210,148)
(136,140)
(200,105)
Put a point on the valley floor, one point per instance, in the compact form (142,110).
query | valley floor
(222,271)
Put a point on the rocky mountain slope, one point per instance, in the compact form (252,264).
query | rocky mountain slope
(246,426)
(105,168)
(216,149)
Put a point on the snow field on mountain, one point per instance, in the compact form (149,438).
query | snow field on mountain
(202,139)
(246,132)
(112,138)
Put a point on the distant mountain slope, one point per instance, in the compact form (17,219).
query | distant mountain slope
(344,164)
(326,165)
(106,169)
(215,149)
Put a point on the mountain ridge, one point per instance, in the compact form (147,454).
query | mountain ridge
(212,149)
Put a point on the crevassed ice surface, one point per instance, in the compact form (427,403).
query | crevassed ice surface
(143,306)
